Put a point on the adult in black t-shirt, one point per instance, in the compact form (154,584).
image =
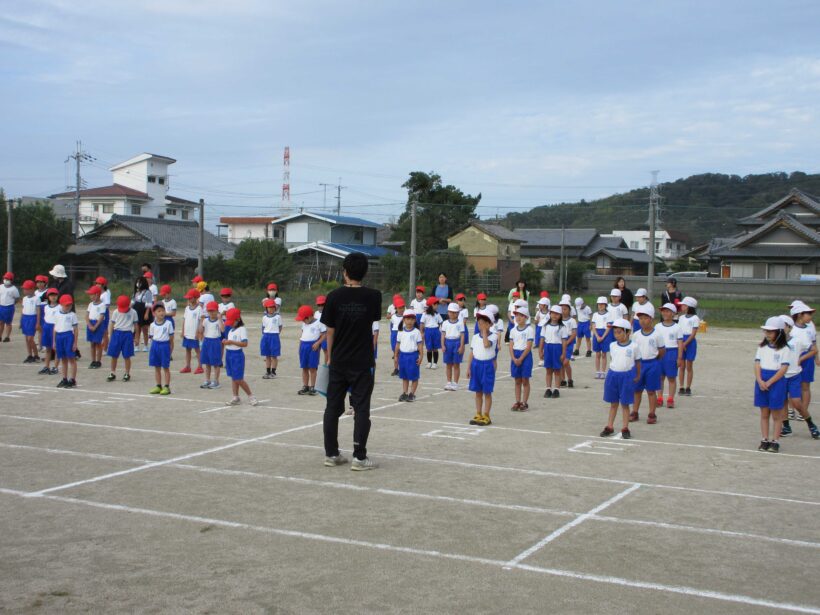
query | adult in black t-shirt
(349,314)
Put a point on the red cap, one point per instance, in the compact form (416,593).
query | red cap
(123,304)
(460,296)
(41,278)
(28,285)
(273,286)
(544,293)
(268,303)
(481,296)
(396,296)
(226,292)
(231,316)
(192,294)
(420,289)
(148,275)
(398,302)
(516,293)
(66,300)
(304,313)
(94,290)
(211,306)
(165,290)
(320,300)
(52,291)
(101,280)
(8,275)
(431,301)
(197,279)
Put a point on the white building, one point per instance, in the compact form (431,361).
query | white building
(139,188)
(251,227)
(669,245)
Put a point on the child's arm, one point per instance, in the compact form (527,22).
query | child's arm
(375,340)
(778,375)
(680,352)
(171,342)
(443,339)
(76,337)
(527,351)
(485,336)
(565,361)
(637,370)
(812,352)
(759,377)
(419,350)
(512,351)
(318,343)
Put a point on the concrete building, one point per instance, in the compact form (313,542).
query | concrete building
(490,247)
(240,228)
(139,188)
(669,245)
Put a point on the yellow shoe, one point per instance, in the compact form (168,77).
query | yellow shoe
(485,420)
(476,420)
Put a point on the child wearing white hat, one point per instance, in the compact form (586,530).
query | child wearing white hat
(452,340)
(689,323)
(796,348)
(802,315)
(539,320)
(521,341)
(641,298)
(584,316)
(601,336)
(771,364)
(554,350)
(673,357)
(624,373)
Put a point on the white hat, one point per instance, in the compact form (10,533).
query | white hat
(646,308)
(278,301)
(787,320)
(523,310)
(615,293)
(565,300)
(544,301)
(485,314)
(555,309)
(622,323)
(58,272)
(602,299)
(492,309)
(521,303)
(773,324)
(671,307)
(800,307)
(564,297)
(641,292)
(453,307)
(690,301)
(579,301)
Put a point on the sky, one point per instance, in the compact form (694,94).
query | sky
(527,103)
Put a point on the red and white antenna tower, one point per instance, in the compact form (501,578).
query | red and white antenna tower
(286,182)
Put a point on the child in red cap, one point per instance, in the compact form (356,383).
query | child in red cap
(161,333)
(66,327)
(431,330)
(270,346)
(313,332)
(47,333)
(95,325)
(9,296)
(211,328)
(190,330)
(124,330)
(40,283)
(169,303)
(236,340)
(29,321)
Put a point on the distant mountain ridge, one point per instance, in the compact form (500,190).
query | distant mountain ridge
(701,206)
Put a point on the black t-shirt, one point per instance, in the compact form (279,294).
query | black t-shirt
(350,312)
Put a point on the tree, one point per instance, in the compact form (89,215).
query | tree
(258,261)
(532,276)
(440,211)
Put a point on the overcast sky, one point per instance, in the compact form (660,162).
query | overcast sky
(532,103)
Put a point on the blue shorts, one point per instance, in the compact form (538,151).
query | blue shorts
(669,364)
(168,318)
(775,397)
(636,325)
(95,336)
(808,369)
(121,343)
(537,341)
(270,345)
(187,342)
(475,328)
(107,318)
(525,369)
(235,364)
(482,377)
(650,376)
(225,332)
(794,387)
(6,314)
(690,353)
(570,349)
(211,353)
(619,387)
(604,344)
(308,358)
(408,368)
(64,345)
(552,356)
(432,338)
(324,344)
(28,324)
(48,335)
(394,336)
(451,356)
(584,330)
(159,354)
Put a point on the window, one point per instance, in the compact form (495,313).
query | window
(633,245)
(108,208)
(358,236)
(184,214)
(741,270)
(161,180)
(96,207)
(161,216)
(136,210)
(171,211)
(152,179)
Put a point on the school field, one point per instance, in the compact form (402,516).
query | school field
(115,500)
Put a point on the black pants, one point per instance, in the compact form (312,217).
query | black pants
(360,383)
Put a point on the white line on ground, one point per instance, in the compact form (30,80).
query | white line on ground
(609,580)
(81,389)
(565,528)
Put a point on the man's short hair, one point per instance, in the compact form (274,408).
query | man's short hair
(147,266)
(355,265)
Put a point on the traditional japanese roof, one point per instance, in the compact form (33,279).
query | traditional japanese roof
(600,242)
(115,190)
(623,254)
(811,203)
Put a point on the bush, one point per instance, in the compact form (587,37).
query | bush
(428,266)
(532,276)
(575,274)
(255,263)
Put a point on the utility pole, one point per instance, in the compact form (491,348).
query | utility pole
(324,198)
(201,263)
(9,251)
(412,284)
(339,197)
(654,197)
(561,264)
(79,156)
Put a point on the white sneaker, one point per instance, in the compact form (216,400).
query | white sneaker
(338,460)
(253,401)
(540,364)
(233,402)
(363,464)
(455,386)
(214,385)
(435,365)
(429,366)
(447,387)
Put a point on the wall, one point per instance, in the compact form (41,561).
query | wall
(473,242)
(239,232)
(347,234)
(482,263)
(716,288)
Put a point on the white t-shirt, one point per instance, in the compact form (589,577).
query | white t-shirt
(190,322)
(431,321)
(105,297)
(617,311)
(463,315)
(649,343)
(170,306)
(123,321)
(793,351)
(375,327)
(395,321)
(688,323)
(145,296)
(41,296)
(49,312)
(452,330)
(418,306)
(805,335)
(30,306)
(671,334)
(210,329)
(153,288)
(205,299)
(391,309)
(96,310)
(224,307)
(64,321)
(161,333)
(8,295)
(237,335)
(476,309)
(271,323)
(584,313)
(554,333)
(600,321)
(571,325)
(772,358)
(622,357)
(312,331)
(520,337)
(636,305)
(408,341)
(478,350)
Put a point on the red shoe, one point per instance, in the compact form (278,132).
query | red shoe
(185,370)
(652,419)
(199,370)
(633,416)
(660,402)
(670,402)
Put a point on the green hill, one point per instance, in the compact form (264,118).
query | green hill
(702,206)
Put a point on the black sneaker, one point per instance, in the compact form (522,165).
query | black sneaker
(548,393)
(774,447)
(303,391)
(403,397)
(786,430)
(556,394)
(411,397)
(62,384)
(44,372)
(27,360)
(589,353)
(681,391)
(608,431)
(570,384)
(312,391)
(71,383)
(688,392)
(576,353)
(815,433)
(563,384)
(126,377)
(54,371)
(764,445)
(626,434)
